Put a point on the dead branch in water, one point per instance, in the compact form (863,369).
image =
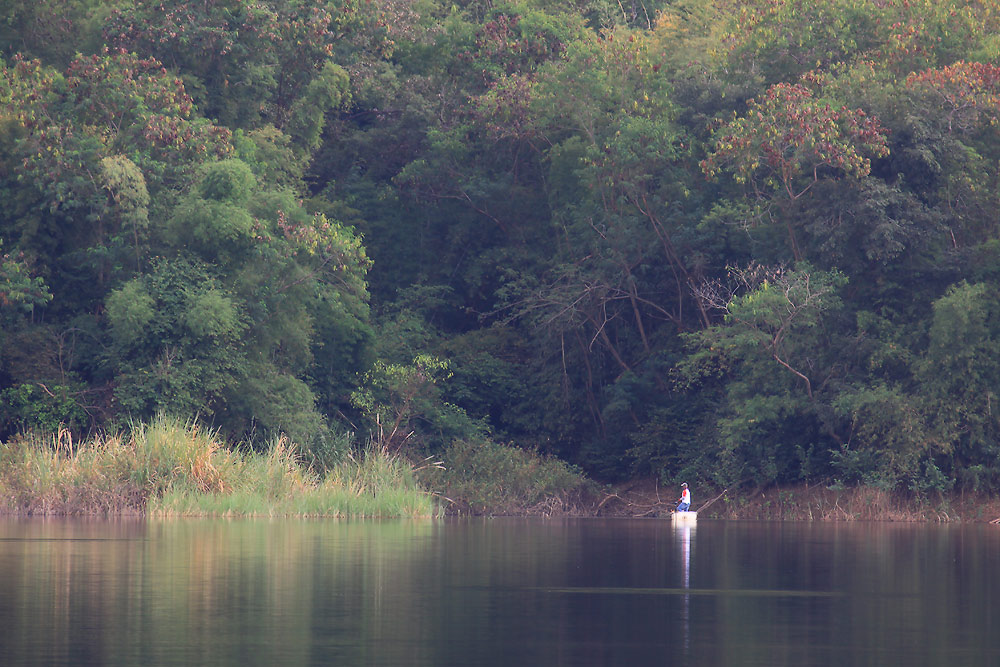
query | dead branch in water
(712,500)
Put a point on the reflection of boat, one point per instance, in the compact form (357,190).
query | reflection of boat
(684,530)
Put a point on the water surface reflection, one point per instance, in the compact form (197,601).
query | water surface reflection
(496,592)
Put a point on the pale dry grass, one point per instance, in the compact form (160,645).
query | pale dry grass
(174,468)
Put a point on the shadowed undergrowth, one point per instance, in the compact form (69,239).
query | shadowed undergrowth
(485,477)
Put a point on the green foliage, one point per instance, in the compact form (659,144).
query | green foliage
(143,113)
(324,94)
(780,40)
(675,442)
(130,310)
(270,154)
(18,288)
(959,376)
(775,418)
(789,141)
(515,222)
(187,354)
(52,30)
(250,64)
(228,181)
(96,150)
(394,396)
(788,134)
(774,316)
(278,402)
(889,436)
(217,230)
(491,478)
(127,186)
(37,407)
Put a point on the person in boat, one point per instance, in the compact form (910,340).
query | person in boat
(684,504)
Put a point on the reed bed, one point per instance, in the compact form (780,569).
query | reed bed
(173,468)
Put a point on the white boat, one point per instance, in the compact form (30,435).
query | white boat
(685,517)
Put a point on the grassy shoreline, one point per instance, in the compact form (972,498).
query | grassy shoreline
(645,498)
(820,503)
(172,468)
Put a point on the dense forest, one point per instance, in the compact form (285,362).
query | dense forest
(741,242)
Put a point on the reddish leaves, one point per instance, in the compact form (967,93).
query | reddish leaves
(788,138)
(968,91)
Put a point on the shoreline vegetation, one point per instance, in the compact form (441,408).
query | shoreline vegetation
(541,242)
(809,502)
(171,468)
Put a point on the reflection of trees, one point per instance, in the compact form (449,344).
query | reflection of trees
(435,593)
(857,593)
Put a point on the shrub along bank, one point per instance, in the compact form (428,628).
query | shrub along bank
(485,477)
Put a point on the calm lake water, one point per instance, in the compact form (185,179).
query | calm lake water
(497,592)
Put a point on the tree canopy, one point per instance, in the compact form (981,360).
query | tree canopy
(739,241)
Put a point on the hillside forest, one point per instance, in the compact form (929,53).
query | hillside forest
(734,242)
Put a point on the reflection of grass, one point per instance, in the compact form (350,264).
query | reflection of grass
(171,468)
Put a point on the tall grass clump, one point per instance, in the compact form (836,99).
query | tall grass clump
(114,473)
(171,453)
(169,467)
(52,475)
(276,482)
(377,478)
(256,483)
